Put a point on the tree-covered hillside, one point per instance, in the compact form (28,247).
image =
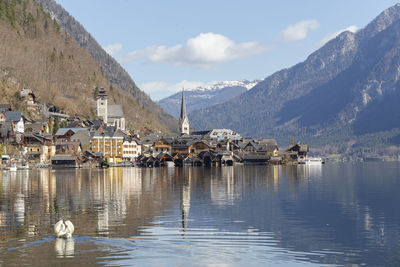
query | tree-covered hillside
(36,53)
(343,96)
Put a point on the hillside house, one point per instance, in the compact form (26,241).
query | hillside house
(38,127)
(148,143)
(64,134)
(29,97)
(16,119)
(68,148)
(39,148)
(5,107)
(83,137)
(197,147)
(162,146)
(5,131)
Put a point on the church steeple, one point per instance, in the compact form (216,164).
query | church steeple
(183,119)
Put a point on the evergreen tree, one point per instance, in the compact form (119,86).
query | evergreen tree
(56,125)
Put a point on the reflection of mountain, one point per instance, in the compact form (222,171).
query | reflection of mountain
(223,190)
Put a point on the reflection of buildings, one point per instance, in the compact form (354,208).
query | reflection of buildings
(273,174)
(224,187)
(185,197)
(37,199)
(111,189)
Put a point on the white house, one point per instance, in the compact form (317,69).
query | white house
(224,134)
(17,120)
(131,149)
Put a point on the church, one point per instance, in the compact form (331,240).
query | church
(183,119)
(112,115)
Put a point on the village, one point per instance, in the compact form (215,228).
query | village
(61,141)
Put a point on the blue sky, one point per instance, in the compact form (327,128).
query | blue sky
(167,44)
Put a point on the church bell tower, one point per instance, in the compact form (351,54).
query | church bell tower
(183,119)
(102,105)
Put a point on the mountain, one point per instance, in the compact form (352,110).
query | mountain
(111,69)
(35,53)
(345,94)
(203,97)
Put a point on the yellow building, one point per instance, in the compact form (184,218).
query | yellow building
(109,144)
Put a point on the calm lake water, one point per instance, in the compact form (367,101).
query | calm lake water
(335,214)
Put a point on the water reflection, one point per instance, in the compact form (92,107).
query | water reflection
(334,214)
(185,198)
(64,247)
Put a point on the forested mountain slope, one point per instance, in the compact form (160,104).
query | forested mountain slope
(36,53)
(111,69)
(346,93)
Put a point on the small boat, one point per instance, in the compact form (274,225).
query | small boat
(13,168)
(314,161)
(23,167)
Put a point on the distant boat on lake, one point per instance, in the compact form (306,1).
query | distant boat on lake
(314,161)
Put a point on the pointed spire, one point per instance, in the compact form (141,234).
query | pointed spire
(183,106)
(184,120)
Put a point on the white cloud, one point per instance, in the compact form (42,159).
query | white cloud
(299,30)
(159,90)
(331,36)
(113,49)
(204,50)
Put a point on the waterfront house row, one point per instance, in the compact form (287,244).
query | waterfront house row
(115,145)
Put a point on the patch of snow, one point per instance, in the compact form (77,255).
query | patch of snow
(220,85)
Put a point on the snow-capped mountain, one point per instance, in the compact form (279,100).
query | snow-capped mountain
(224,84)
(203,97)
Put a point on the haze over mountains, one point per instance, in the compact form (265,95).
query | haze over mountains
(347,92)
(203,97)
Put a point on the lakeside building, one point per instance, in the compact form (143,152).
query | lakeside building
(91,142)
(131,149)
(108,143)
(38,147)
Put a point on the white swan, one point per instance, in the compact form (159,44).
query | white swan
(64,229)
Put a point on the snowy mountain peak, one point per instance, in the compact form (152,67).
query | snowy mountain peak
(220,85)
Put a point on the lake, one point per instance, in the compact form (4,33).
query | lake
(334,214)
